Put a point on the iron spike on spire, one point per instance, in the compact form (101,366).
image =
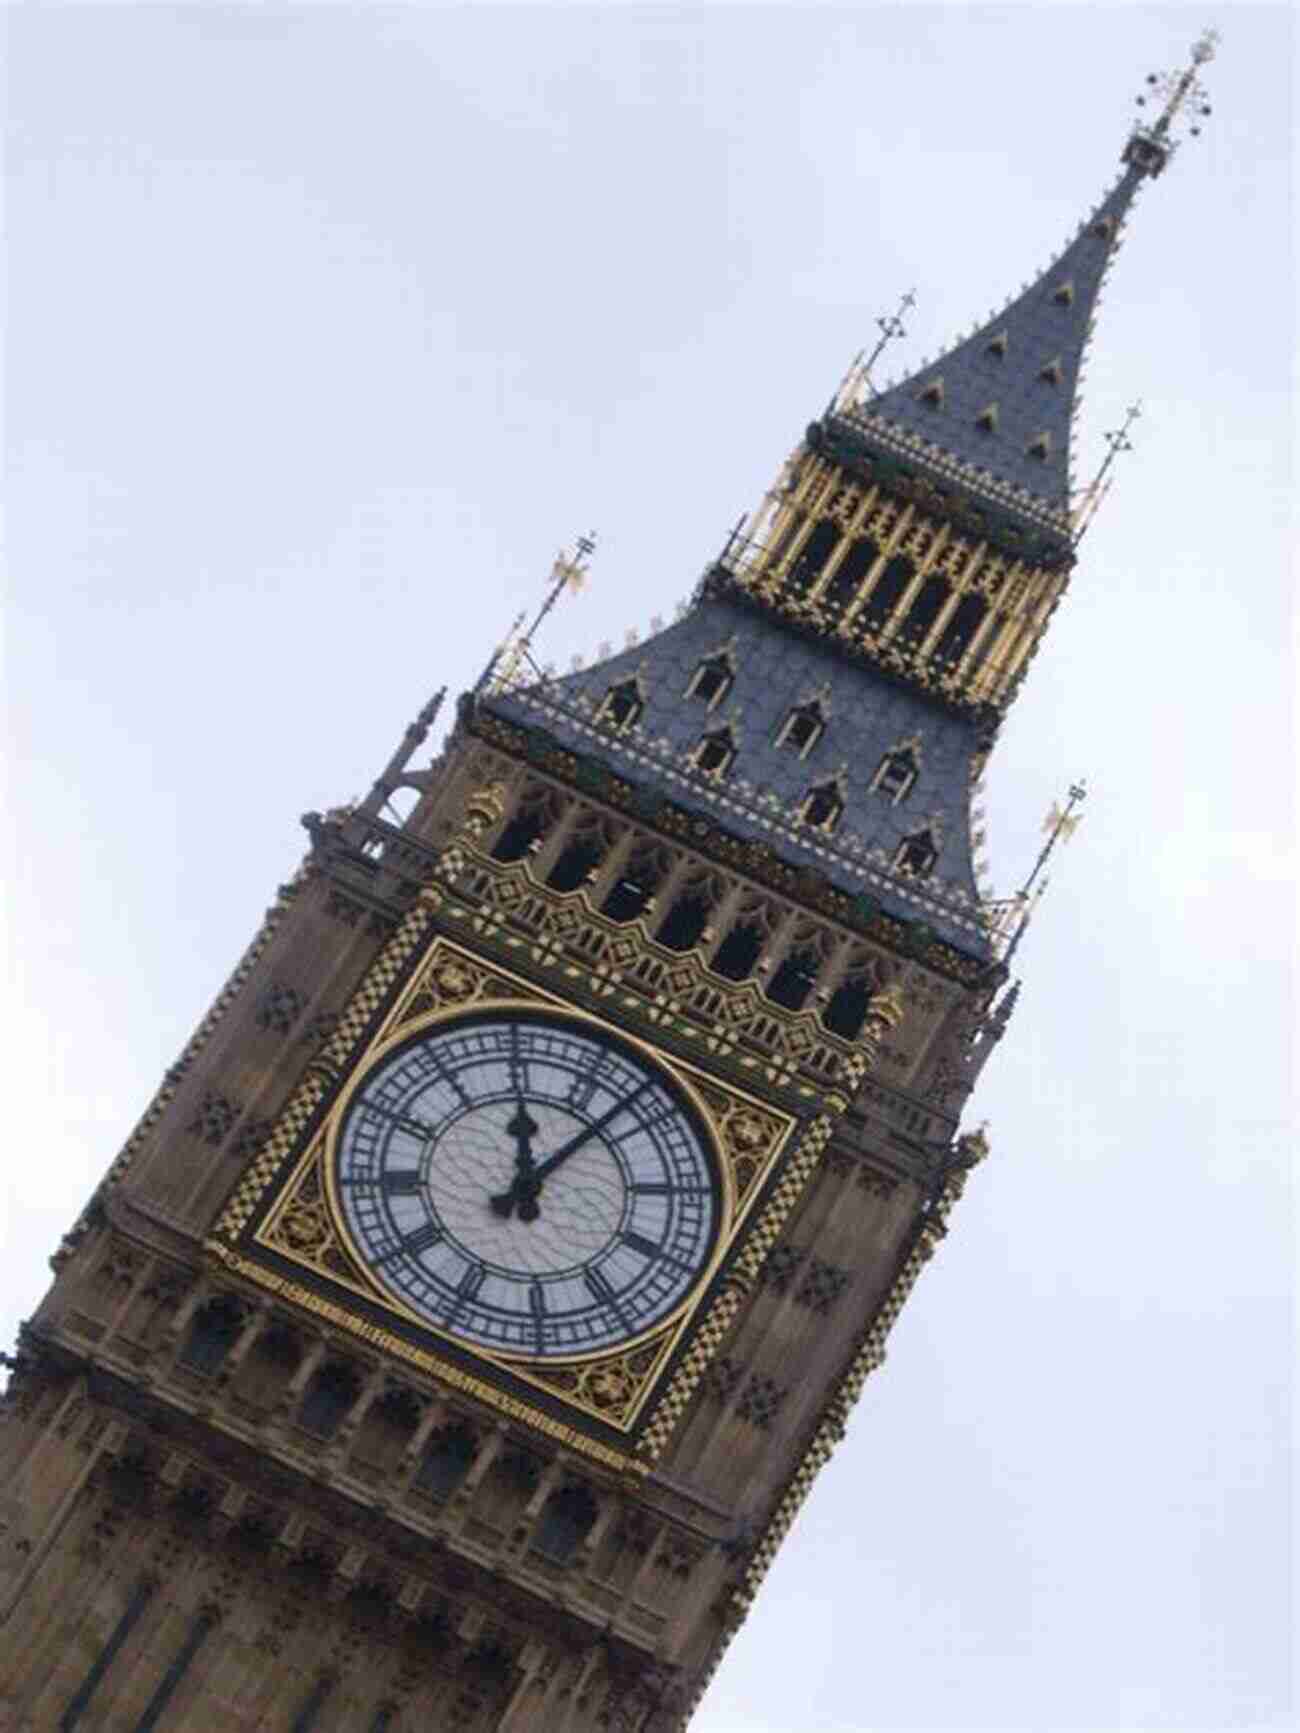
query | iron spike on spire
(1185,97)
(859,371)
(1118,441)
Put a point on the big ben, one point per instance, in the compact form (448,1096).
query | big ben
(455,1339)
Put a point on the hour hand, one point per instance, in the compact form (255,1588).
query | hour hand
(522,1191)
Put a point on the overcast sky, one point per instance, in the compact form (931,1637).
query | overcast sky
(327,327)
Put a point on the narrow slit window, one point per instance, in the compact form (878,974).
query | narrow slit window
(712,680)
(810,559)
(623,706)
(715,752)
(898,771)
(803,728)
(917,854)
(886,593)
(955,639)
(824,807)
(849,574)
(924,611)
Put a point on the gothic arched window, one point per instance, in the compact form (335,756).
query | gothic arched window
(448,1457)
(924,611)
(850,573)
(622,706)
(567,1519)
(847,1010)
(823,807)
(803,728)
(917,854)
(715,752)
(532,818)
(954,640)
(213,1332)
(685,921)
(812,556)
(328,1397)
(712,680)
(897,772)
(735,957)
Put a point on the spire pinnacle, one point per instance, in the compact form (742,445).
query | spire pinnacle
(1149,148)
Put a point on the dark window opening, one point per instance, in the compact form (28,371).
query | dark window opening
(634,888)
(328,1397)
(623,705)
(803,728)
(712,680)
(824,807)
(886,594)
(715,752)
(897,773)
(213,1333)
(684,922)
(448,1458)
(847,1010)
(849,574)
(810,559)
(924,611)
(520,834)
(793,980)
(735,957)
(917,855)
(567,1518)
(956,636)
(578,859)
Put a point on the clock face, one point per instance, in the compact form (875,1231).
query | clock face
(526,1183)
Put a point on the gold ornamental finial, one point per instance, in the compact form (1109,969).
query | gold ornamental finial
(1060,824)
(1118,441)
(568,572)
(858,376)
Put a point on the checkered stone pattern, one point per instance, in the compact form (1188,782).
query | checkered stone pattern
(869,1356)
(718,1320)
(781,1266)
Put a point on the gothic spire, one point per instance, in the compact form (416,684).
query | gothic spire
(994,413)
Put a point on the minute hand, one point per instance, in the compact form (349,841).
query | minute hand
(565,1150)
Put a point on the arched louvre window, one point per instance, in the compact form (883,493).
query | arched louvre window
(684,924)
(823,807)
(567,1518)
(715,752)
(897,772)
(580,856)
(736,956)
(917,854)
(645,871)
(803,728)
(846,1010)
(794,978)
(712,680)
(527,825)
(623,705)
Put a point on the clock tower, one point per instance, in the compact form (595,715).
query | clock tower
(456,1337)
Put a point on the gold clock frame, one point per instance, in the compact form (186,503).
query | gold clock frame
(301,1228)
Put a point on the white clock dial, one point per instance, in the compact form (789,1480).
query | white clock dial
(524,1182)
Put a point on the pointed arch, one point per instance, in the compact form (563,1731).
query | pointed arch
(803,727)
(917,854)
(823,806)
(897,772)
(713,678)
(715,752)
(623,704)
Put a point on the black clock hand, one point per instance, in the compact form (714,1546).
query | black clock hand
(523,1187)
(527,1183)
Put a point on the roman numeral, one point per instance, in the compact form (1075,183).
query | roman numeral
(647,1188)
(398,1181)
(639,1243)
(412,1244)
(470,1283)
(598,1284)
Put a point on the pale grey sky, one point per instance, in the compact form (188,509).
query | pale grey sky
(327,326)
